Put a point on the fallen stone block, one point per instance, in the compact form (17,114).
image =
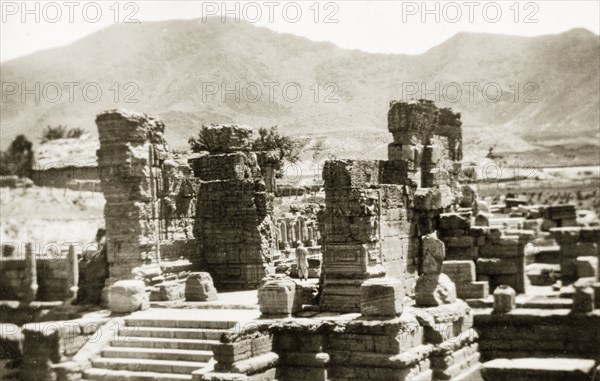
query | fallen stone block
(127,296)
(199,287)
(495,266)
(171,290)
(583,300)
(504,299)
(459,271)
(434,290)
(381,297)
(277,296)
(472,290)
(587,266)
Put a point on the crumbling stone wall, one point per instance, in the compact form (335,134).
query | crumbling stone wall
(376,211)
(233,224)
(149,193)
(499,256)
(575,242)
(32,275)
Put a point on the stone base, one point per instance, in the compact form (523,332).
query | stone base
(127,296)
(277,297)
(381,297)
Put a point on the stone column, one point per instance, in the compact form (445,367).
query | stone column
(350,228)
(73,273)
(132,149)
(30,284)
(233,226)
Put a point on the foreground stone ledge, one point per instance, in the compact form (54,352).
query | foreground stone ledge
(538,369)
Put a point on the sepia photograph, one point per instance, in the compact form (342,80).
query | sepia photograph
(381,190)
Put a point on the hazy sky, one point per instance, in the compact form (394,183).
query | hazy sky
(409,27)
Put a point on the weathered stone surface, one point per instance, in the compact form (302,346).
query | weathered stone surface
(482,219)
(434,290)
(277,296)
(171,290)
(381,297)
(199,287)
(453,221)
(587,266)
(233,221)
(459,271)
(227,137)
(504,299)
(433,254)
(583,299)
(495,266)
(551,369)
(127,296)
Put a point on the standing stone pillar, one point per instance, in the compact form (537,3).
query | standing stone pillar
(350,228)
(73,273)
(30,284)
(233,226)
(132,149)
(433,287)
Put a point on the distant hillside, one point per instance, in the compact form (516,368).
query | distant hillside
(173,62)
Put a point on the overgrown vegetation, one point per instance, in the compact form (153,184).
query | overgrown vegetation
(61,132)
(18,158)
(276,149)
(271,147)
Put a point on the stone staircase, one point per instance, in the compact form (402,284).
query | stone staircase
(162,345)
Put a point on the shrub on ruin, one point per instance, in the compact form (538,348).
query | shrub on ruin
(61,132)
(275,149)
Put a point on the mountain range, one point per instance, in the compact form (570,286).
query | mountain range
(514,93)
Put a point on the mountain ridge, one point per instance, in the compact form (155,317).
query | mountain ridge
(548,83)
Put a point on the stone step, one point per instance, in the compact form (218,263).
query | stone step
(157,354)
(180,323)
(94,374)
(172,333)
(164,343)
(148,365)
(538,369)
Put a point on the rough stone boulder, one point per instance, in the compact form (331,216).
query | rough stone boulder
(199,287)
(127,296)
(434,290)
(277,296)
(381,297)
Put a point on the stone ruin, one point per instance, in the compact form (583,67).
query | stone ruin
(233,224)
(377,211)
(214,213)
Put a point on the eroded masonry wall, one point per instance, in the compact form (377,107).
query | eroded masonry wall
(233,223)
(149,192)
(377,211)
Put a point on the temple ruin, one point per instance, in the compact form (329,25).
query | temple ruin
(417,279)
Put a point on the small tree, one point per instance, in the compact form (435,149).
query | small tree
(200,142)
(275,149)
(18,159)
